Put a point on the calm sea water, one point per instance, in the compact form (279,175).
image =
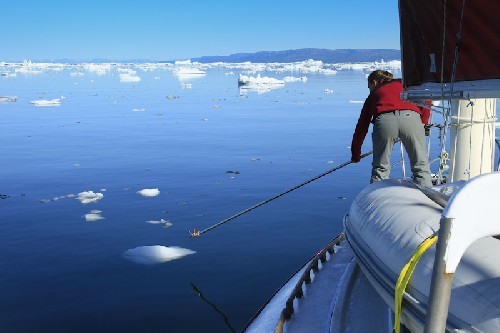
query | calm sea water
(61,273)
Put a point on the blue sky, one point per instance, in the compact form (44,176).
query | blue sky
(169,30)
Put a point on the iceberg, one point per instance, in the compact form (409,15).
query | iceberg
(250,81)
(155,254)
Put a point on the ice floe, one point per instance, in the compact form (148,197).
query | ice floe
(8,99)
(94,215)
(126,77)
(139,110)
(87,197)
(155,254)
(166,223)
(45,102)
(149,192)
(295,79)
(57,198)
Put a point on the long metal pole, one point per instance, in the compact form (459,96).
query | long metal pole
(199,233)
(437,310)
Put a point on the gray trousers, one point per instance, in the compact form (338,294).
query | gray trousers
(407,126)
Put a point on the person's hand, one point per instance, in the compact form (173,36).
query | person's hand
(427,128)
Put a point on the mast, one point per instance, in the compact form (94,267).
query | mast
(472,134)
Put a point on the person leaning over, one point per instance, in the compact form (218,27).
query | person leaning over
(392,118)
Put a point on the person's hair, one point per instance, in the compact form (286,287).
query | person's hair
(379,76)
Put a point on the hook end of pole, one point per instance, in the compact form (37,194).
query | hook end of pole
(194,233)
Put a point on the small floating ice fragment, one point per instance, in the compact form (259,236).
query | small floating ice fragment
(355,102)
(328,91)
(149,192)
(8,99)
(94,215)
(89,197)
(295,79)
(166,223)
(155,254)
(44,102)
(139,110)
(129,77)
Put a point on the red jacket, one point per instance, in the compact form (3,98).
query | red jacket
(386,97)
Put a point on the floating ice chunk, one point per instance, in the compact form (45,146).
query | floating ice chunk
(8,99)
(149,192)
(89,197)
(57,198)
(94,215)
(166,223)
(328,71)
(138,110)
(129,78)
(355,102)
(188,70)
(244,80)
(186,85)
(155,254)
(44,102)
(328,91)
(295,79)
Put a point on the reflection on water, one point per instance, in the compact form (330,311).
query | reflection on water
(226,320)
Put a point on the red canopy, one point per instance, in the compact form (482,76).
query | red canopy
(423,23)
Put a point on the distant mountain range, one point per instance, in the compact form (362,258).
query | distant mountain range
(325,55)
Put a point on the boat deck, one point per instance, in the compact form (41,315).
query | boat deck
(339,299)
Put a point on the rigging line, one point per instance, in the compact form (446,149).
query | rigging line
(490,135)
(470,139)
(446,114)
(199,233)
(458,43)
